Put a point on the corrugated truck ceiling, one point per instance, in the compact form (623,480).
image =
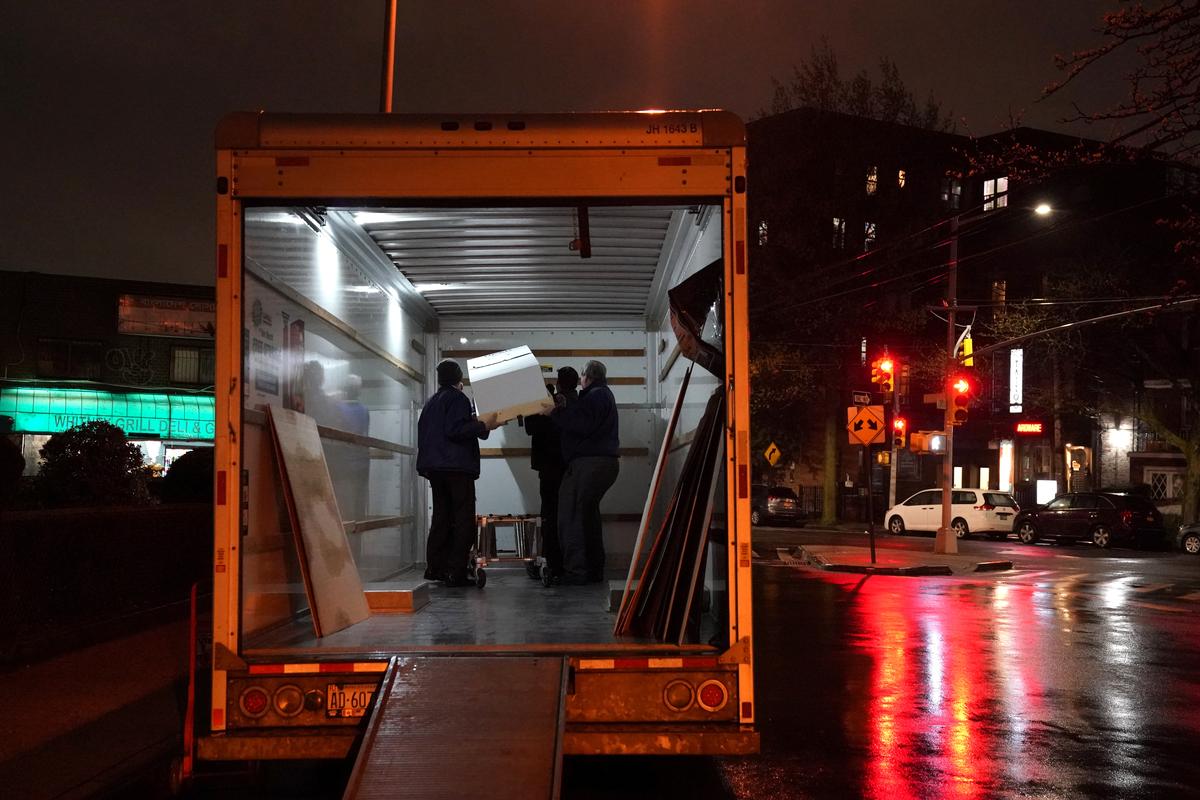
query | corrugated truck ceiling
(520,261)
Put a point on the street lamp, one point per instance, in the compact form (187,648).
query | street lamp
(1042,209)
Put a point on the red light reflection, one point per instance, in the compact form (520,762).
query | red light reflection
(928,689)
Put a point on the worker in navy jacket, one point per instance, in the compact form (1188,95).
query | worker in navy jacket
(546,458)
(590,445)
(448,435)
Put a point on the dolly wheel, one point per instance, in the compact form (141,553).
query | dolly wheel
(480,578)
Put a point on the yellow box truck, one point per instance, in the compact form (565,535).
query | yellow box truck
(355,252)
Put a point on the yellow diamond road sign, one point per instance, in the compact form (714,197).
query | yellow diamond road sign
(865,424)
(772,454)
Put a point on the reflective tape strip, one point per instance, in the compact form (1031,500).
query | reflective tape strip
(295,669)
(697,662)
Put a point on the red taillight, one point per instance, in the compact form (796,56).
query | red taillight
(1126,517)
(985,507)
(254,701)
(712,695)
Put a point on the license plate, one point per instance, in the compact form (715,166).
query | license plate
(348,699)
(1003,516)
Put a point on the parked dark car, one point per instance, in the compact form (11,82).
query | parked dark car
(1188,538)
(1102,518)
(775,504)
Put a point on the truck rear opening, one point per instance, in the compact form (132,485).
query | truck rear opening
(354,254)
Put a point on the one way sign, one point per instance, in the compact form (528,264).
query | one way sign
(865,424)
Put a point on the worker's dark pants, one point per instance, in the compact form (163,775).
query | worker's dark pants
(549,483)
(452,529)
(584,484)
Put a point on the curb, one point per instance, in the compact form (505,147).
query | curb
(919,570)
(911,572)
(867,569)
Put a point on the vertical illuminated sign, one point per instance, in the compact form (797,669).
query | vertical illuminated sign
(1005,478)
(1016,379)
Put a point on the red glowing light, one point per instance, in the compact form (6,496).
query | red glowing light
(254,701)
(962,386)
(898,423)
(712,695)
(1029,427)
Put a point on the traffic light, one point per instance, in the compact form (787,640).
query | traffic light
(883,372)
(960,398)
(899,426)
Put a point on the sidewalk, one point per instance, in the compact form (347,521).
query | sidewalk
(890,561)
(75,723)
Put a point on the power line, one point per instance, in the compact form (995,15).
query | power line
(972,256)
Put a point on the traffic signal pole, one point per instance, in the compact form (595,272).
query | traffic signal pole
(892,465)
(946,541)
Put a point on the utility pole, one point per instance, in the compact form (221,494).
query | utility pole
(389,57)
(946,541)
(892,465)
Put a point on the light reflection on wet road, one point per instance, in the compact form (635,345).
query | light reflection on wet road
(971,688)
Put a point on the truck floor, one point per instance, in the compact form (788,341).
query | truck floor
(511,613)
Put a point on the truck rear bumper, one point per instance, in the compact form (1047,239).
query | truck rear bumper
(597,739)
(661,740)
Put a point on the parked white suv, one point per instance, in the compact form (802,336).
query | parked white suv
(971,511)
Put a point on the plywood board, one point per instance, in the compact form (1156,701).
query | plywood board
(331,580)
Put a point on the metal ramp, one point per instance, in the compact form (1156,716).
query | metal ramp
(451,727)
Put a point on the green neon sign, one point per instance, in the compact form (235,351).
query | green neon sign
(163,416)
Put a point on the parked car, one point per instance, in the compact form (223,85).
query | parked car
(1188,538)
(775,504)
(971,511)
(1103,518)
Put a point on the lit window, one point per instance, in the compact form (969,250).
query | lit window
(951,192)
(868,236)
(762,233)
(999,292)
(995,193)
(1165,483)
(192,365)
(901,176)
(872,180)
(839,233)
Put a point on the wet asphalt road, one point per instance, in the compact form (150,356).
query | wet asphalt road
(1072,676)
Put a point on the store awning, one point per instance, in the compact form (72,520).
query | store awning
(185,417)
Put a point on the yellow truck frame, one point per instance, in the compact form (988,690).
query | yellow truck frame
(675,156)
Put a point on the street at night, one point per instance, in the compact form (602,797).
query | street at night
(530,400)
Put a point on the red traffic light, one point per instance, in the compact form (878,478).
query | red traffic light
(898,424)
(962,389)
(885,365)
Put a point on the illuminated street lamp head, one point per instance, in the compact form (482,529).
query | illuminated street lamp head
(1042,209)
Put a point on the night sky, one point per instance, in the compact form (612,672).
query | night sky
(108,108)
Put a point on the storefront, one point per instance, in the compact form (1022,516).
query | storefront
(164,425)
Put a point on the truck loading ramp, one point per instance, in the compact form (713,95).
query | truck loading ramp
(453,727)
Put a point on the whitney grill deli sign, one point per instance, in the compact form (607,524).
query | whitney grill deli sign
(162,416)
